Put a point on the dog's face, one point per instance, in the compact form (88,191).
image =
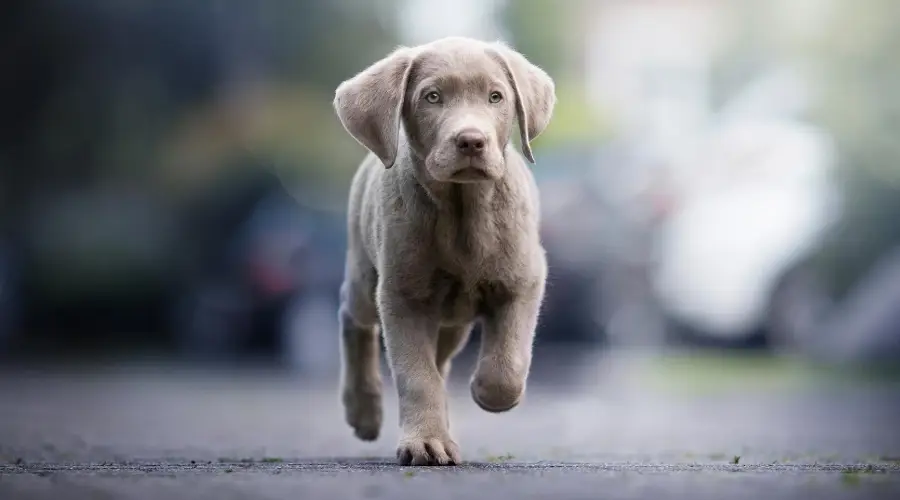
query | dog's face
(458,111)
(457,99)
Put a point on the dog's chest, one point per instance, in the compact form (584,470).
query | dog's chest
(471,237)
(460,302)
(472,256)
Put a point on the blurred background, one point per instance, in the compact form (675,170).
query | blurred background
(718,175)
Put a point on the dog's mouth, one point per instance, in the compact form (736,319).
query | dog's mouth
(470,174)
(471,170)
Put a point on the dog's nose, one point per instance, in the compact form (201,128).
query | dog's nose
(470,142)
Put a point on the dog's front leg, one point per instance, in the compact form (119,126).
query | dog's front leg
(411,335)
(504,359)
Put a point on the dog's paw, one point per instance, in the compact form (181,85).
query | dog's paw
(363,411)
(496,387)
(431,450)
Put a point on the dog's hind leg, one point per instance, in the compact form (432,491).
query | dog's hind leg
(361,384)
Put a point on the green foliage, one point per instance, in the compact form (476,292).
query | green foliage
(857,65)
(536,28)
(195,88)
(745,51)
(539,29)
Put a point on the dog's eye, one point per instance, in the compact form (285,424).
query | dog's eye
(433,97)
(495,97)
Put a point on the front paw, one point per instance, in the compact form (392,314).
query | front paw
(363,411)
(428,450)
(496,388)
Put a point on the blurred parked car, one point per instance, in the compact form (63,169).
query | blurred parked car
(568,314)
(761,204)
(597,217)
(95,269)
(753,196)
(267,277)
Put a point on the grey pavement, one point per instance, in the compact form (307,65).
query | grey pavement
(591,427)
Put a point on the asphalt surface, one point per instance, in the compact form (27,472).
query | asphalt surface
(616,427)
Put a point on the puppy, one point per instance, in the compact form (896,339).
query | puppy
(443,231)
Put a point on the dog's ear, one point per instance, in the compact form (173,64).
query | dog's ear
(535,94)
(369,104)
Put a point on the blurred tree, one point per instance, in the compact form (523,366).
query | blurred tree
(745,52)
(277,113)
(544,32)
(859,71)
(536,29)
(93,90)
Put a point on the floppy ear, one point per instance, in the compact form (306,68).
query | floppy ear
(535,94)
(369,104)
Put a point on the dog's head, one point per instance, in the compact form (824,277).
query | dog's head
(457,100)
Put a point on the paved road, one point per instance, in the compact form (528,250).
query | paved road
(626,428)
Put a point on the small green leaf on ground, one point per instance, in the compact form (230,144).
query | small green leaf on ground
(229,470)
(850,478)
(272,460)
(409,473)
(501,458)
(736,460)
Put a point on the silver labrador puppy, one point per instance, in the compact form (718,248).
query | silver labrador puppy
(443,231)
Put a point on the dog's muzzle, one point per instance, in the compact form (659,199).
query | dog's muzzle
(471,145)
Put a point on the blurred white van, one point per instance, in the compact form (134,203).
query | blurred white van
(755,198)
